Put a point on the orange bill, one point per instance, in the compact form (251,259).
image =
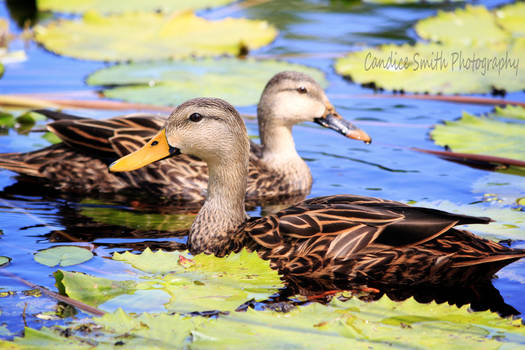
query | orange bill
(156,149)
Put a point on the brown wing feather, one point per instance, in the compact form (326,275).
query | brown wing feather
(369,239)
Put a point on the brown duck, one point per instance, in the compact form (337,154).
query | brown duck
(79,164)
(339,237)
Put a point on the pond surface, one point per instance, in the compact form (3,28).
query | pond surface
(387,168)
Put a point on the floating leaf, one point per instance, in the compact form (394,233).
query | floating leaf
(206,283)
(513,112)
(512,18)
(4,260)
(173,82)
(104,6)
(88,289)
(482,135)
(509,223)
(404,2)
(30,117)
(471,26)
(354,324)
(436,68)
(51,138)
(147,261)
(7,120)
(63,256)
(136,220)
(469,53)
(144,36)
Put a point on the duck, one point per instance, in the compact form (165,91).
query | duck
(78,165)
(336,237)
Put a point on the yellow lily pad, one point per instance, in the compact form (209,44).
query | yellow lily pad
(239,82)
(435,68)
(471,26)
(512,18)
(482,135)
(470,52)
(353,324)
(105,6)
(145,36)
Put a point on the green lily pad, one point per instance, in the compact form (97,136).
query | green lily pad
(354,324)
(204,283)
(407,2)
(513,112)
(471,26)
(509,223)
(172,82)
(148,261)
(482,135)
(4,260)
(89,289)
(30,117)
(63,256)
(103,6)
(7,120)
(436,68)
(51,138)
(469,52)
(511,17)
(136,220)
(145,36)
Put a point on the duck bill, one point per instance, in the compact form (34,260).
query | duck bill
(156,149)
(334,121)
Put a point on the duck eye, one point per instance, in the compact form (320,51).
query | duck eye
(195,117)
(302,90)
(155,143)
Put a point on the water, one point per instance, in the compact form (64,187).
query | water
(386,168)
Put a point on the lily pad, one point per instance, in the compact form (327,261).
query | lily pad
(202,284)
(482,135)
(7,120)
(172,82)
(511,17)
(513,112)
(143,36)
(89,289)
(469,52)
(435,68)
(135,220)
(104,6)
(407,2)
(4,260)
(354,324)
(472,26)
(63,256)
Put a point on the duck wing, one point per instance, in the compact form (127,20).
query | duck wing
(348,235)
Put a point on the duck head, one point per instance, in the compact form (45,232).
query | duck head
(293,97)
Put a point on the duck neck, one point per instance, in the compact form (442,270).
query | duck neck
(223,211)
(281,157)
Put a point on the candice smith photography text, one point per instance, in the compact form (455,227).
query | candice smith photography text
(454,61)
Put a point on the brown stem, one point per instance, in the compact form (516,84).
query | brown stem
(78,304)
(473,157)
(443,98)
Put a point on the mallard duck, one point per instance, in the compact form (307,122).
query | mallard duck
(337,237)
(79,163)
